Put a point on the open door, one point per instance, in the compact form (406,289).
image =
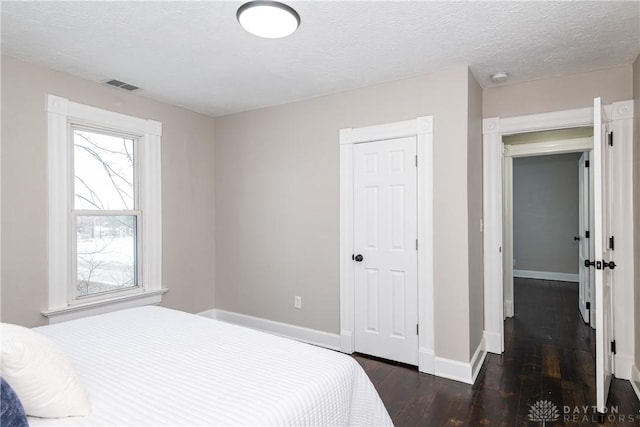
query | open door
(584,295)
(601,264)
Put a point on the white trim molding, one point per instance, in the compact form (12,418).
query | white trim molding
(492,236)
(298,333)
(546,275)
(574,145)
(104,306)
(635,380)
(509,309)
(545,121)
(460,371)
(623,363)
(61,113)
(422,129)
(492,340)
(622,227)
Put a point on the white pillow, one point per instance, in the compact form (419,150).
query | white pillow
(41,375)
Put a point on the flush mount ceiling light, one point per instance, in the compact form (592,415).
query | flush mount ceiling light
(268,19)
(499,77)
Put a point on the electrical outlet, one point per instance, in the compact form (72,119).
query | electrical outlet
(297,302)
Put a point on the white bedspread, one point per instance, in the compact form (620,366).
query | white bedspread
(152,366)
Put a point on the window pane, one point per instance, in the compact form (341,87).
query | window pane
(103,168)
(106,254)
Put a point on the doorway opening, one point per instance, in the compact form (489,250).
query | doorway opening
(548,210)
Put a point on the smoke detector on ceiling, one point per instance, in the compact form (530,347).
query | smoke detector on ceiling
(121,85)
(499,77)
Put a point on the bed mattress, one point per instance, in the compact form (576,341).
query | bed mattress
(153,366)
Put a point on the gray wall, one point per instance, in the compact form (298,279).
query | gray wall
(558,93)
(277,203)
(545,213)
(474,201)
(187,189)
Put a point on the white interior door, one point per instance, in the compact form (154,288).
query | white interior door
(591,244)
(584,299)
(602,255)
(385,242)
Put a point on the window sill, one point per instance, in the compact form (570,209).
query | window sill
(104,306)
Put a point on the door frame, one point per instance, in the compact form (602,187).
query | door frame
(422,129)
(573,145)
(621,123)
(586,221)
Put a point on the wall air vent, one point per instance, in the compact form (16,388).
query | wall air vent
(121,85)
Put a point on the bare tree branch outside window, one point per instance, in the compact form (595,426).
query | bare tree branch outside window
(105,241)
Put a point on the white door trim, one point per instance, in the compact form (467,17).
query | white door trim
(621,114)
(422,129)
(574,145)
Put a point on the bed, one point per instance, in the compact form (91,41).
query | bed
(153,366)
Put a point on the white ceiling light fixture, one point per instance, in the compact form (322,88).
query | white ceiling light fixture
(499,77)
(268,19)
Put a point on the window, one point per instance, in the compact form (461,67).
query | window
(105,219)
(104,210)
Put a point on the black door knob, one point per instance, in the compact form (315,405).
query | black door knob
(588,263)
(609,264)
(358,258)
(576,237)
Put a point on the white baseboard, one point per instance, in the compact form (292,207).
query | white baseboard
(478,359)
(508,308)
(635,380)
(311,336)
(426,361)
(208,313)
(623,365)
(546,275)
(461,371)
(346,342)
(493,342)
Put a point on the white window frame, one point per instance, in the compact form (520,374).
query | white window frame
(62,304)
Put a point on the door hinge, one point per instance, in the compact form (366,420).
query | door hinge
(611,243)
(586,163)
(586,234)
(417,329)
(416,160)
(613,346)
(610,138)
(588,304)
(416,244)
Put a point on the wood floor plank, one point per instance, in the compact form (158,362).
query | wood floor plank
(551,361)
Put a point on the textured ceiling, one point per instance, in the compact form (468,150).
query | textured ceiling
(195,54)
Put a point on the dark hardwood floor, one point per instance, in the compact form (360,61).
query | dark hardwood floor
(549,355)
